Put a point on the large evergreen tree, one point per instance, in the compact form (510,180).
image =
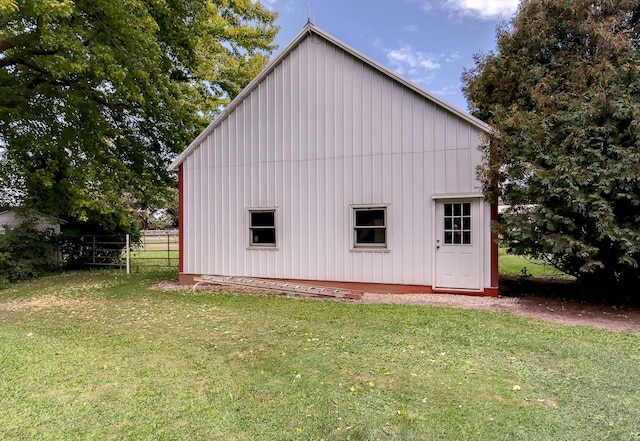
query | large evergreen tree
(562,92)
(96,96)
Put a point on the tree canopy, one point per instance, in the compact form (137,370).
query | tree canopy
(97,96)
(562,93)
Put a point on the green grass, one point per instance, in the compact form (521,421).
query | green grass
(512,265)
(154,257)
(159,251)
(96,355)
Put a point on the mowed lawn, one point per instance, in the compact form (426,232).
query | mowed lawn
(512,265)
(97,355)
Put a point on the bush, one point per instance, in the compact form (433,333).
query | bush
(26,252)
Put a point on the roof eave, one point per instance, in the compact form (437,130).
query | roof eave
(241,96)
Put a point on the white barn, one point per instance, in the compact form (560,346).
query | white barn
(329,167)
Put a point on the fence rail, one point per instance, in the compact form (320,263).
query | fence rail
(155,248)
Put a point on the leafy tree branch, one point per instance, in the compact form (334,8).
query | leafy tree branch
(96,96)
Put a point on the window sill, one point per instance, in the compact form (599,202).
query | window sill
(263,248)
(369,250)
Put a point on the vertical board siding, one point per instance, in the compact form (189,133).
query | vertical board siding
(322,132)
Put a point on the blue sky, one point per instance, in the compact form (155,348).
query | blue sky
(429,42)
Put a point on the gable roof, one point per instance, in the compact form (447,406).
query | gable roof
(309,30)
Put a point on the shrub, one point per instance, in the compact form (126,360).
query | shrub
(26,252)
(76,241)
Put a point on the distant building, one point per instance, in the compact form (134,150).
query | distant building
(13,217)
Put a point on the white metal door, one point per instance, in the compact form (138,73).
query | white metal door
(457,242)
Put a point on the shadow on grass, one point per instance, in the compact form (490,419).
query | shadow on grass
(565,288)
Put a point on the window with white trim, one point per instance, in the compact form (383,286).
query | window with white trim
(262,228)
(370,227)
(457,223)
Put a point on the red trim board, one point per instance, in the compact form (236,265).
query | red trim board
(181,218)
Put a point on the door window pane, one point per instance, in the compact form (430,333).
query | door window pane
(457,223)
(448,237)
(448,223)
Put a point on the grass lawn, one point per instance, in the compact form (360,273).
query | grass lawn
(154,257)
(512,265)
(161,251)
(96,355)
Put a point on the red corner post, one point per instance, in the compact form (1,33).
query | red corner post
(494,247)
(180,219)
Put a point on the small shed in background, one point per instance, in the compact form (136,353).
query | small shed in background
(15,217)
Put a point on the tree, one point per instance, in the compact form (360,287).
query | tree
(162,216)
(97,96)
(562,93)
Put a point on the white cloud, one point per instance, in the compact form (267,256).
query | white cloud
(480,9)
(426,5)
(408,62)
(483,9)
(446,90)
(452,57)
